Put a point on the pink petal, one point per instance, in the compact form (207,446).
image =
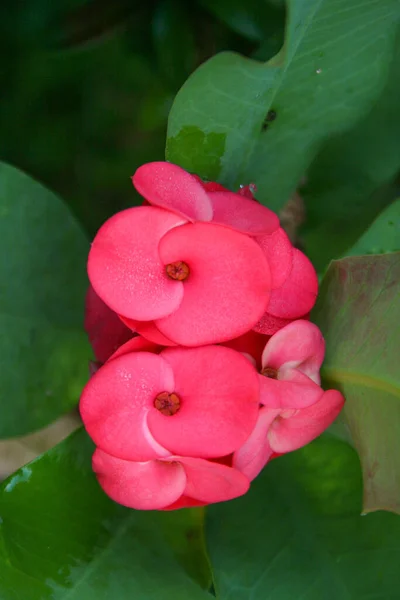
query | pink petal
(279,251)
(298,391)
(184,502)
(268,324)
(130,323)
(248,191)
(227,290)
(298,294)
(150,485)
(242,214)
(105,330)
(167,185)
(116,401)
(299,345)
(219,393)
(212,482)
(252,457)
(251,343)
(211,186)
(136,344)
(149,330)
(293,432)
(124,265)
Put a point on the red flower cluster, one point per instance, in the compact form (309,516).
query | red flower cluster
(197,312)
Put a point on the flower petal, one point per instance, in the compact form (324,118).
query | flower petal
(227,290)
(251,343)
(136,344)
(116,401)
(169,186)
(268,324)
(298,391)
(148,330)
(150,485)
(293,432)
(211,186)
(212,482)
(124,265)
(299,345)
(252,457)
(105,330)
(219,393)
(242,213)
(279,251)
(184,502)
(298,294)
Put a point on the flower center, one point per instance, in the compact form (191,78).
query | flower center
(168,404)
(270,372)
(178,270)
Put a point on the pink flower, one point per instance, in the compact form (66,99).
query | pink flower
(198,282)
(294,283)
(199,265)
(163,423)
(294,408)
(105,330)
(178,422)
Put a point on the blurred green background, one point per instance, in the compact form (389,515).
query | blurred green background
(87,85)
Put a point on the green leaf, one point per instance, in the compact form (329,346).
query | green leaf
(174,41)
(332,68)
(358,311)
(250,18)
(383,236)
(43,349)
(298,534)
(62,538)
(349,182)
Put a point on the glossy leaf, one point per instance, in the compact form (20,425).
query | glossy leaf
(298,534)
(44,352)
(241,121)
(350,181)
(61,537)
(358,311)
(383,236)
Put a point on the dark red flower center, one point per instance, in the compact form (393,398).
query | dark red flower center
(168,404)
(178,270)
(270,372)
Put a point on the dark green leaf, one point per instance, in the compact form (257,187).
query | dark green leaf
(333,67)
(44,353)
(298,534)
(344,192)
(383,236)
(62,538)
(358,311)
(253,19)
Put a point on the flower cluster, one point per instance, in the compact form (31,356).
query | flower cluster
(208,366)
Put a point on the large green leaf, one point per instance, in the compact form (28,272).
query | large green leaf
(383,236)
(43,349)
(298,534)
(349,182)
(62,538)
(332,68)
(358,311)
